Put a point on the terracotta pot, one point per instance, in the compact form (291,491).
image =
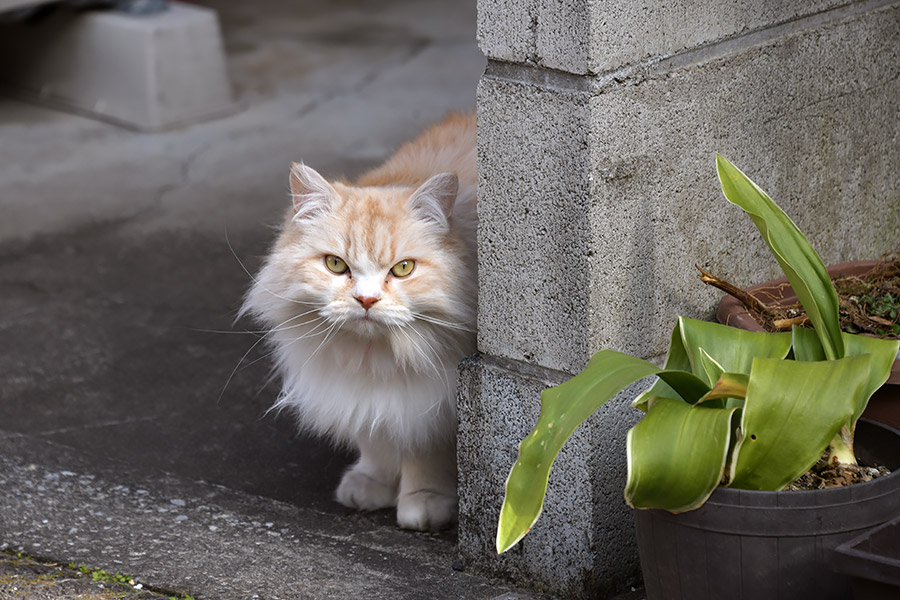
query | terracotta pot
(751,545)
(884,406)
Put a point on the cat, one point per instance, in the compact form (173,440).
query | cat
(369,298)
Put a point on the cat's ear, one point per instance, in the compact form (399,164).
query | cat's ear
(433,201)
(311,194)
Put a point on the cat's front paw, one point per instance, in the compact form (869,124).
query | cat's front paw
(363,492)
(426,511)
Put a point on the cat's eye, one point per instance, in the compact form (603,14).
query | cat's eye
(403,268)
(336,265)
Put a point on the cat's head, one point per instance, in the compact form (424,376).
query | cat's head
(370,259)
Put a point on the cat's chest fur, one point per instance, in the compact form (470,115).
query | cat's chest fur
(355,386)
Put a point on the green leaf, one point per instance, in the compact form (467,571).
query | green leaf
(883,353)
(676,360)
(686,385)
(711,368)
(732,349)
(563,409)
(703,348)
(792,411)
(801,265)
(676,455)
(806,345)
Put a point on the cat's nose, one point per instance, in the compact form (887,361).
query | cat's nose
(366,301)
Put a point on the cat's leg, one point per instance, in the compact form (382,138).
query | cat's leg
(372,482)
(428,500)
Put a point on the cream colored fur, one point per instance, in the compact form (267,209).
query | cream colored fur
(368,358)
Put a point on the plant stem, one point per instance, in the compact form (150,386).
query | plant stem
(747,299)
(782,324)
(840,451)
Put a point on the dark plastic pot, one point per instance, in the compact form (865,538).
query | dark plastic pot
(872,561)
(749,545)
(884,405)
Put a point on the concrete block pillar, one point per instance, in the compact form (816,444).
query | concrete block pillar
(598,125)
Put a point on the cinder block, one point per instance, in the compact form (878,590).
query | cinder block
(148,72)
(594,36)
(597,203)
(583,545)
(534,198)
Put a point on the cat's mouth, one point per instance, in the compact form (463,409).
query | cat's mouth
(367,323)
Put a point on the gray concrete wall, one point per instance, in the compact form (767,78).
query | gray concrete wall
(598,124)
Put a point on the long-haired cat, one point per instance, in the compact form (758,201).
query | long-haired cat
(369,296)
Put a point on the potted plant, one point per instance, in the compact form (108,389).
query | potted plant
(733,418)
(865,308)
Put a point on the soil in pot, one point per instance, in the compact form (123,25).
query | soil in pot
(869,299)
(824,475)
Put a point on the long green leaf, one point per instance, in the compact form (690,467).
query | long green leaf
(676,455)
(800,263)
(732,349)
(563,409)
(676,360)
(884,352)
(806,345)
(792,411)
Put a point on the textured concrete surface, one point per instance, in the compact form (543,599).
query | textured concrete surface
(25,576)
(599,194)
(597,36)
(534,229)
(583,542)
(811,123)
(133,428)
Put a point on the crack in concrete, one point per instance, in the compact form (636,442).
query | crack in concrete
(185,179)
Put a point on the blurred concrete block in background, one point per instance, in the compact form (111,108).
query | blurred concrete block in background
(13,4)
(148,72)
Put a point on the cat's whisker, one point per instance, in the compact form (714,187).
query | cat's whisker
(237,366)
(441,322)
(262,332)
(428,357)
(280,328)
(273,374)
(256,281)
(328,333)
(314,332)
(232,332)
(262,337)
